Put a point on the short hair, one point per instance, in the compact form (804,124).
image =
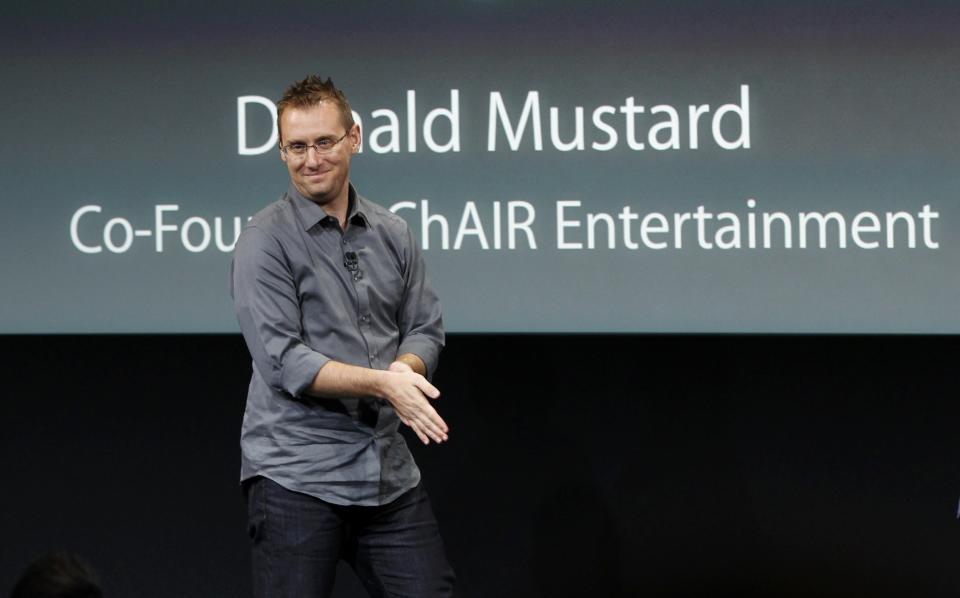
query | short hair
(310,92)
(57,575)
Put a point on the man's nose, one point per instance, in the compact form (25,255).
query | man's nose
(313,155)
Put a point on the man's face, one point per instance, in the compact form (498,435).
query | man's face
(321,177)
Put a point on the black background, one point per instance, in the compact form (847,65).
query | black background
(577,465)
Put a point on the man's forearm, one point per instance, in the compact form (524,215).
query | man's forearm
(344,381)
(406,390)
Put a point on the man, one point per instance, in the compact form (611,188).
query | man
(343,328)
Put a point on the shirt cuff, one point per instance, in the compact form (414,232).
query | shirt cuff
(300,369)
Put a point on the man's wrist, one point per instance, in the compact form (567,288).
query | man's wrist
(413,362)
(400,366)
(378,381)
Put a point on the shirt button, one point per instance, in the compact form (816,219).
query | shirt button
(344,241)
(364,318)
(372,357)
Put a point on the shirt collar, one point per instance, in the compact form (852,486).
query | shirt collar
(312,214)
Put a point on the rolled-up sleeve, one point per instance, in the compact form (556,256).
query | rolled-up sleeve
(265,301)
(420,317)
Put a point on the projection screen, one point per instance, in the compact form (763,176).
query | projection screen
(566,167)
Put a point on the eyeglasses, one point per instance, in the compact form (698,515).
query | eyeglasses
(322,146)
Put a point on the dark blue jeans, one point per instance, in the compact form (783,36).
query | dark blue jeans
(395,549)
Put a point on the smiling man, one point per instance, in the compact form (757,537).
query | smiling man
(344,328)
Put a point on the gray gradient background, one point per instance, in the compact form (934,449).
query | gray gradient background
(853,107)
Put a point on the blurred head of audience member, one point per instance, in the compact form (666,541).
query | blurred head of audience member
(57,575)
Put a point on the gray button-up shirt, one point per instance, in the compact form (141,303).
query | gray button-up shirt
(306,292)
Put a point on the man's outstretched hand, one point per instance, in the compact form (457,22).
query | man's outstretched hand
(409,392)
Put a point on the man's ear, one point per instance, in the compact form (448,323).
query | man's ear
(356,138)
